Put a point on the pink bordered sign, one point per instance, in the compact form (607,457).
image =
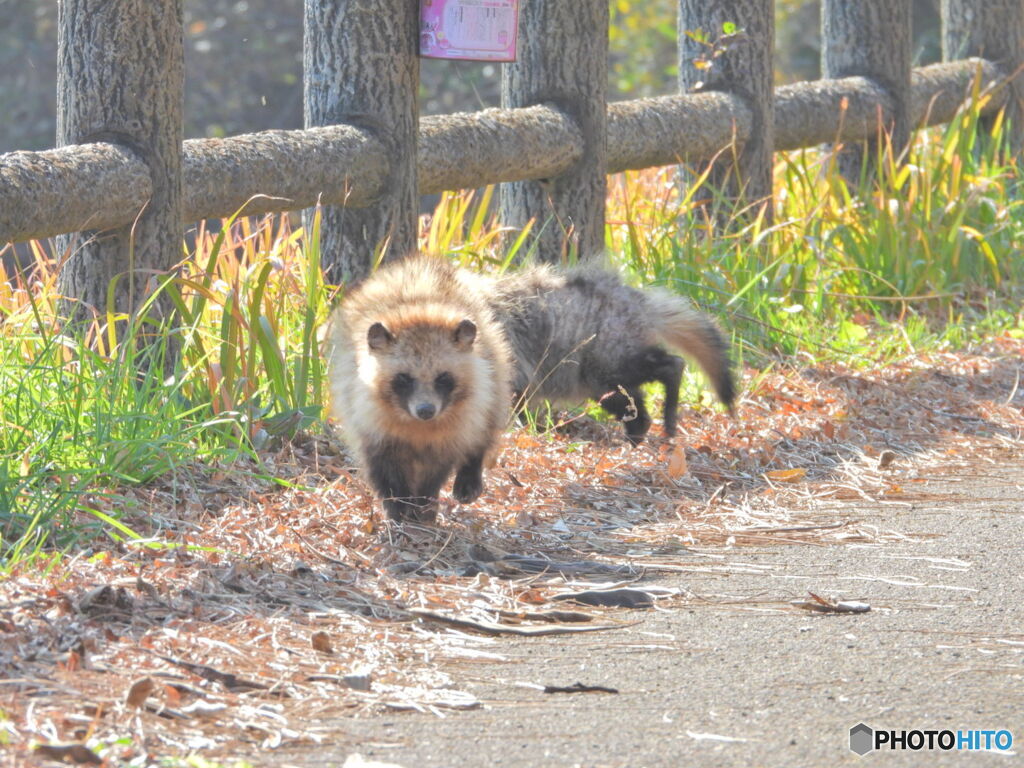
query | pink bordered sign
(475,30)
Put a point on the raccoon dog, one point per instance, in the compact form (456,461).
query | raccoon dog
(420,381)
(581,334)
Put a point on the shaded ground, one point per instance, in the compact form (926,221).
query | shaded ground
(729,674)
(289,626)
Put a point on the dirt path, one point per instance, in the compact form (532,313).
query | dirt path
(727,673)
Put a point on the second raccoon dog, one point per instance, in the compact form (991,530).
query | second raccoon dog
(419,376)
(581,334)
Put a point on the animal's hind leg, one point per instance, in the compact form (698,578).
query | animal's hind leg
(649,364)
(627,405)
(655,364)
(670,373)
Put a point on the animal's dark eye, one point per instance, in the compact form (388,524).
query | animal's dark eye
(444,383)
(402,383)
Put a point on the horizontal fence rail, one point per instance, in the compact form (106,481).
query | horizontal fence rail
(100,185)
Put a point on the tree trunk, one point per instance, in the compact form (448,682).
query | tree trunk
(562,60)
(121,80)
(740,64)
(994,30)
(361,68)
(870,38)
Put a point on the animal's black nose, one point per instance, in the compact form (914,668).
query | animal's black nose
(425,411)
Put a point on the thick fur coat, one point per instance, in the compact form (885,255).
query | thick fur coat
(581,334)
(420,381)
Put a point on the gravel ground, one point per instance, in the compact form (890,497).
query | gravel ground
(728,674)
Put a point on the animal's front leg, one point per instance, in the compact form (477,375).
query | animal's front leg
(390,475)
(469,480)
(431,477)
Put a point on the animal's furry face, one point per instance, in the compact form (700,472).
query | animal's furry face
(422,371)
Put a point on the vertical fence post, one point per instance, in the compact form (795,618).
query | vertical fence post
(121,79)
(993,29)
(870,38)
(361,67)
(740,63)
(563,60)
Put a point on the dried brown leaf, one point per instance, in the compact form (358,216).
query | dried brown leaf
(677,466)
(321,641)
(139,691)
(787,475)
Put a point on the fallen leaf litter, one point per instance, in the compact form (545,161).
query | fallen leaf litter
(254,616)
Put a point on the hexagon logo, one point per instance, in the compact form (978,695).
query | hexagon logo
(862,739)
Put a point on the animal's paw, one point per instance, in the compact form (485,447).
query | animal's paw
(412,510)
(468,485)
(637,429)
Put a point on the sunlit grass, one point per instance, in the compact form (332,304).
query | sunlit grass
(922,251)
(87,410)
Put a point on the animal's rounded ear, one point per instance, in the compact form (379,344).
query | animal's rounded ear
(465,334)
(379,336)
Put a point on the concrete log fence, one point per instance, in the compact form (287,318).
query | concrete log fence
(551,144)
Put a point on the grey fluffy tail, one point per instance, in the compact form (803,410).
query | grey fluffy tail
(693,333)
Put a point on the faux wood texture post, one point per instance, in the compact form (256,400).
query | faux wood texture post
(121,81)
(870,38)
(361,68)
(745,69)
(562,60)
(993,29)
